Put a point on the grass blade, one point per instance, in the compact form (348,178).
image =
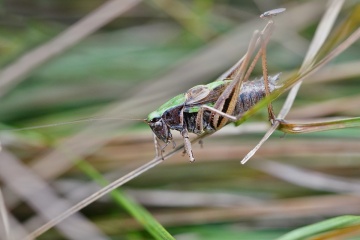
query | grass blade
(327,225)
(137,211)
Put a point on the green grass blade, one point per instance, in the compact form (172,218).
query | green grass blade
(321,227)
(137,211)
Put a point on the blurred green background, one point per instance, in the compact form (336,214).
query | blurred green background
(130,66)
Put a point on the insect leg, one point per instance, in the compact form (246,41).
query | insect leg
(185,135)
(199,118)
(227,101)
(199,123)
(265,36)
(223,107)
(265,73)
(263,39)
(187,144)
(158,148)
(217,111)
(229,74)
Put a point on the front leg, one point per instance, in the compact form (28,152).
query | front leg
(187,144)
(185,134)
(158,148)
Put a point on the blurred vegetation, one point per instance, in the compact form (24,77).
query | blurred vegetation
(150,53)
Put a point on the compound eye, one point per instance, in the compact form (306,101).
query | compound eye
(154,120)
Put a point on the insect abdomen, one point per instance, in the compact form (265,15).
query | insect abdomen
(252,92)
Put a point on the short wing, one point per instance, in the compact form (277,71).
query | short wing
(204,95)
(196,94)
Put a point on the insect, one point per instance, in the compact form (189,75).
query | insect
(207,108)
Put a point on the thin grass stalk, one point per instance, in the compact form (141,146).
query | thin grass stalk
(124,201)
(110,187)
